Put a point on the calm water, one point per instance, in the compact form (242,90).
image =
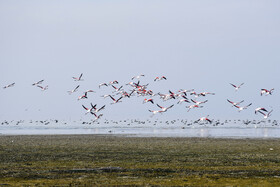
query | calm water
(144,129)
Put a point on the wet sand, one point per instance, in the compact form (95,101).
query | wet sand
(117,160)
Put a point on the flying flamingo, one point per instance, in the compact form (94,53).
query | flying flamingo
(117,89)
(198,102)
(193,106)
(78,78)
(148,100)
(97,109)
(115,101)
(155,112)
(183,100)
(113,82)
(137,77)
(259,109)
(164,109)
(74,90)
(10,85)
(236,87)
(104,96)
(88,110)
(265,116)
(160,78)
(83,96)
(43,88)
(205,93)
(235,103)
(204,119)
(97,116)
(266,92)
(242,108)
(102,84)
(36,83)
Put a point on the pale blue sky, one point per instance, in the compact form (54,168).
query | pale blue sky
(199,44)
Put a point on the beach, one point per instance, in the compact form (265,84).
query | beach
(106,160)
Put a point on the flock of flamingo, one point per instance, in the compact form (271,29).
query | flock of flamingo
(135,88)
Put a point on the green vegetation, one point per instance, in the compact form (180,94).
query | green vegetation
(108,160)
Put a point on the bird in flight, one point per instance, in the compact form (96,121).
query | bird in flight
(74,90)
(242,108)
(236,87)
(203,119)
(78,78)
(9,85)
(36,83)
(43,88)
(266,92)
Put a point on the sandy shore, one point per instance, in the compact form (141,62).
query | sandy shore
(117,160)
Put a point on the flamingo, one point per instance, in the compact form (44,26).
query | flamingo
(43,88)
(265,116)
(160,78)
(83,96)
(259,109)
(155,112)
(137,77)
(242,108)
(183,100)
(115,101)
(193,106)
(90,91)
(78,78)
(164,109)
(266,92)
(194,93)
(166,97)
(236,87)
(36,83)
(74,90)
(97,109)
(204,119)
(185,91)
(198,102)
(9,85)
(104,96)
(88,110)
(102,84)
(117,89)
(113,82)
(148,100)
(235,103)
(125,94)
(97,116)
(205,93)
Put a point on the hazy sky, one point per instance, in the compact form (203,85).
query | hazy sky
(202,45)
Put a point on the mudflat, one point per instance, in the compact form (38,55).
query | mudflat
(48,160)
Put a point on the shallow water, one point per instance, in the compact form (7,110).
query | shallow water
(144,129)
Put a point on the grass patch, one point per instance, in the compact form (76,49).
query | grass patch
(108,160)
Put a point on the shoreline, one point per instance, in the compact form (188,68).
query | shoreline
(137,136)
